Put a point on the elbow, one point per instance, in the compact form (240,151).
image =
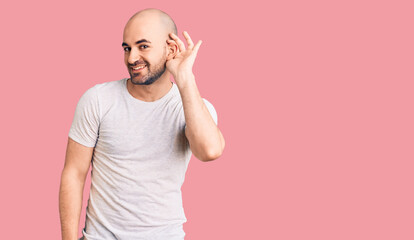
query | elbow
(209,157)
(212,154)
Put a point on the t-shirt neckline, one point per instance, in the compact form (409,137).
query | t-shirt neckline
(162,99)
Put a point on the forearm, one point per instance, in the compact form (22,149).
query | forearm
(70,204)
(202,132)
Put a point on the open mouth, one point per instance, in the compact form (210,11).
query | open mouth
(138,68)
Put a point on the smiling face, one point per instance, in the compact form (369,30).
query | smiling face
(143,70)
(145,47)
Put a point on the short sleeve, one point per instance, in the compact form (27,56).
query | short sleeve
(211,109)
(85,124)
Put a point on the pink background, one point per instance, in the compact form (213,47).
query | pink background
(314,98)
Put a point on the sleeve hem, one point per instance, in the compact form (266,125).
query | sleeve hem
(80,141)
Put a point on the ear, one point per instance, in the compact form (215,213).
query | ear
(172,49)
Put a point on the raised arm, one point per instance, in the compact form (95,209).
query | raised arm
(206,140)
(77,163)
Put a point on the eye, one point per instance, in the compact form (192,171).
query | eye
(127,49)
(146,46)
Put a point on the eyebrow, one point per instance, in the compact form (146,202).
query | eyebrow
(137,42)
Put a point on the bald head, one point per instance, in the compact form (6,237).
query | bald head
(156,17)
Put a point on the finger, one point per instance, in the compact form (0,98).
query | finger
(178,41)
(169,41)
(197,46)
(190,43)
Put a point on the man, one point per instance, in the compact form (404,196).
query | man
(139,134)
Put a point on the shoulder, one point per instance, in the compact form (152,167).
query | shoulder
(208,103)
(211,109)
(104,92)
(109,87)
(103,87)
(100,94)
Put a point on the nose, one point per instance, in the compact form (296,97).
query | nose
(133,56)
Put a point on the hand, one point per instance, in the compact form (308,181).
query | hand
(183,60)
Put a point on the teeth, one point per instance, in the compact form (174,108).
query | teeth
(139,67)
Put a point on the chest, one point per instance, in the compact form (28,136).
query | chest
(142,132)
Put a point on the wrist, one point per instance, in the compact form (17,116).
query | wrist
(184,76)
(185,80)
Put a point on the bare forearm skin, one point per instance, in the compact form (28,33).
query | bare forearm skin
(206,140)
(70,203)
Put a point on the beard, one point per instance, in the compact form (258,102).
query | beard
(152,75)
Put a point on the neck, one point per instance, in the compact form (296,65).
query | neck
(152,92)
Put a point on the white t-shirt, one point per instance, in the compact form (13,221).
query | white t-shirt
(139,162)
